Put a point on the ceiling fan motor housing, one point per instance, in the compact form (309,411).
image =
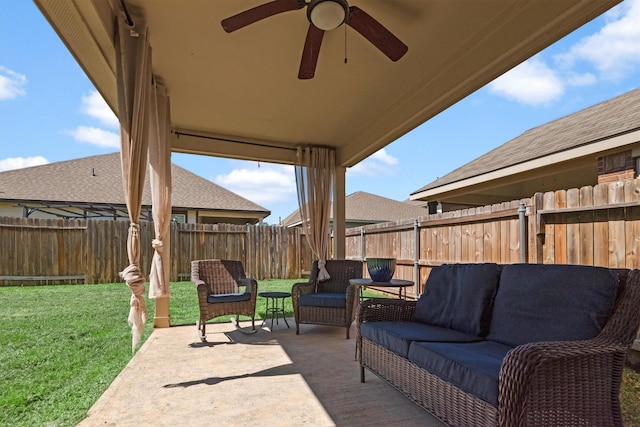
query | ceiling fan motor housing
(327,14)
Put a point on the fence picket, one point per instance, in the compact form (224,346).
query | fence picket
(616,227)
(573,227)
(586,228)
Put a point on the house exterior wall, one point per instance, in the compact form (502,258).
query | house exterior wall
(617,167)
(11,210)
(7,209)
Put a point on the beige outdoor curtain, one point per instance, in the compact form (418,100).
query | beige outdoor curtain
(160,175)
(315,169)
(133,72)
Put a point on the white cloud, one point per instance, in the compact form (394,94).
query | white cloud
(379,163)
(266,184)
(95,106)
(577,79)
(21,162)
(530,83)
(11,83)
(95,136)
(382,156)
(614,50)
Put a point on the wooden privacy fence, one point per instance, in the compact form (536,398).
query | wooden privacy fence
(47,251)
(590,226)
(34,251)
(266,251)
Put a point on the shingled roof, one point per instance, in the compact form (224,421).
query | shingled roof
(608,119)
(367,208)
(98,179)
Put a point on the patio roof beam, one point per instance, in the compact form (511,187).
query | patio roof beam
(219,146)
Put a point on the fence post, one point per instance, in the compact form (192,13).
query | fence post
(538,235)
(362,244)
(523,241)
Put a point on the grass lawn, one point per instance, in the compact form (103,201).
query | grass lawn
(630,398)
(61,347)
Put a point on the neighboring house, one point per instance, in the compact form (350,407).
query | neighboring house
(365,208)
(598,144)
(91,187)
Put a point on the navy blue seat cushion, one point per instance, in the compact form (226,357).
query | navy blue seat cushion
(323,300)
(220,298)
(459,297)
(537,302)
(472,367)
(397,336)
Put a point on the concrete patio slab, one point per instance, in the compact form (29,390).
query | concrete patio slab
(273,377)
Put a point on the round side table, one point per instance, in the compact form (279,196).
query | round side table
(402,285)
(273,309)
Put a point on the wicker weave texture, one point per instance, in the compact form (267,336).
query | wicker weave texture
(215,276)
(446,402)
(565,383)
(341,271)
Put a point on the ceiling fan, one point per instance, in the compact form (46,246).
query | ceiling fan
(323,15)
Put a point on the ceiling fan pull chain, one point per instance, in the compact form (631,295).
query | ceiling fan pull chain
(345,43)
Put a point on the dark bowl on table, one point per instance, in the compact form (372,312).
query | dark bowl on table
(381,269)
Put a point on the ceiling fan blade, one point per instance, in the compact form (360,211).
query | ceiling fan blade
(257,13)
(310,52)
(376,33)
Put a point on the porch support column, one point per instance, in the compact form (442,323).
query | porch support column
(160,178)
(339,220)
(161,316)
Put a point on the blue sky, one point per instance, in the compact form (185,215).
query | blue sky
(50,111)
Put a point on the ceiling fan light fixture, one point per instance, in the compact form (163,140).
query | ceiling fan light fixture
(327,14)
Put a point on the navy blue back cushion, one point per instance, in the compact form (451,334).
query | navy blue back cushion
(537,302)
(459,297)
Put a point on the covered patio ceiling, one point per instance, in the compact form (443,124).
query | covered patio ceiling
(238,95)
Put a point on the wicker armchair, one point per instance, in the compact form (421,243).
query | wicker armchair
(332,302)
(218,283)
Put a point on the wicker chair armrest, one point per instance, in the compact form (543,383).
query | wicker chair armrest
(198,282)
(251,285)
(302,288)
(352,298)
(352,291)
(546,377)
(203,290)
(382,309)
(385,309)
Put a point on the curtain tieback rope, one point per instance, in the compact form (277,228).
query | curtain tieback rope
(157,245)
(132,275)
(134,229)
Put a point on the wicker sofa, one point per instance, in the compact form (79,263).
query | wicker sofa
(514,345)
